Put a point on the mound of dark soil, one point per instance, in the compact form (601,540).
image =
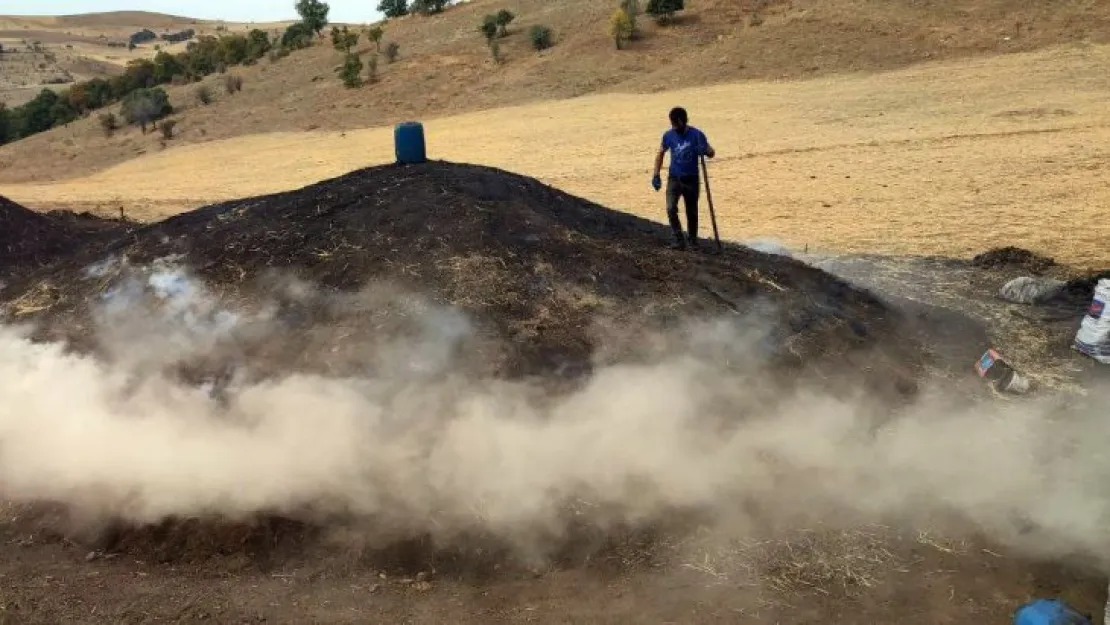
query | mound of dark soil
(1014,257)
(1080,290)
(552,281)
(554,285)
(28,238)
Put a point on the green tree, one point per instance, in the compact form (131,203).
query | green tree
(6,126)
(233,49)
(374,34)
(166,66)
(428,7)
(489,27)
(663,10)
(296,37)
(145,106)
(343,39)
(98,93)
(62,112)
(37,115)
(503,19)
(258,44)
(351,71)
(393,8)
(314,14)
(141,73)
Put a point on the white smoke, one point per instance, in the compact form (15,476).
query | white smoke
(447,454)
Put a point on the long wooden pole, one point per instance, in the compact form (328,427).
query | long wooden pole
(709,197)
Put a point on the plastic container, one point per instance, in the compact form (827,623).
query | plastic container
(998,373)
(408,142)
(1048,612)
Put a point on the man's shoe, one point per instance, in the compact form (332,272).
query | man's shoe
(677,245)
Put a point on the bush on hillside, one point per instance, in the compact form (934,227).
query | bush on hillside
(109,123)
(145,106)
(503,19)
(233,83)
(178,37)
(620,28)
(258,44)
(663,10)
(343,39)
(351,71)
(372,69)
(392,51)
(541,37)
(204,95)
(374,35)
(298,36)
(488,27)
(393,8)
(167,128)
(142,36)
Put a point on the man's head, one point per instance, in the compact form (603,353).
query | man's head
(678,118)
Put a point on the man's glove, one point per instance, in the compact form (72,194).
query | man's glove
(657,182)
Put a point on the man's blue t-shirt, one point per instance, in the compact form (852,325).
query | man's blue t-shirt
(685,149)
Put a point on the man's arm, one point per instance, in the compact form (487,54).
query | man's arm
(709,151)
(659,160)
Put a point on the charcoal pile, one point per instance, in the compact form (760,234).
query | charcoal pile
(521,280)
(1014,258)
(551,279)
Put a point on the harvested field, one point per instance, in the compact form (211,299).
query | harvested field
(449,393)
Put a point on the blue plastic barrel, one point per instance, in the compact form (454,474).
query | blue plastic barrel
(408,141)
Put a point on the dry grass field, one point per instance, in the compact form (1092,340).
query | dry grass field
(945,158)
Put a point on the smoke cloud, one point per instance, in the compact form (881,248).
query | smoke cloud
(411,444)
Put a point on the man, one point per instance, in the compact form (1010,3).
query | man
(686,145)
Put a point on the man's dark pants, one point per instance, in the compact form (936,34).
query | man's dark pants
(688,188)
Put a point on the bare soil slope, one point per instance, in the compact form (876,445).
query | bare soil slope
(445,66)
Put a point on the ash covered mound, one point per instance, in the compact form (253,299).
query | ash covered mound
(368,347)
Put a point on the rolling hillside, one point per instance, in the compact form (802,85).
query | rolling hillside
(445,68)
